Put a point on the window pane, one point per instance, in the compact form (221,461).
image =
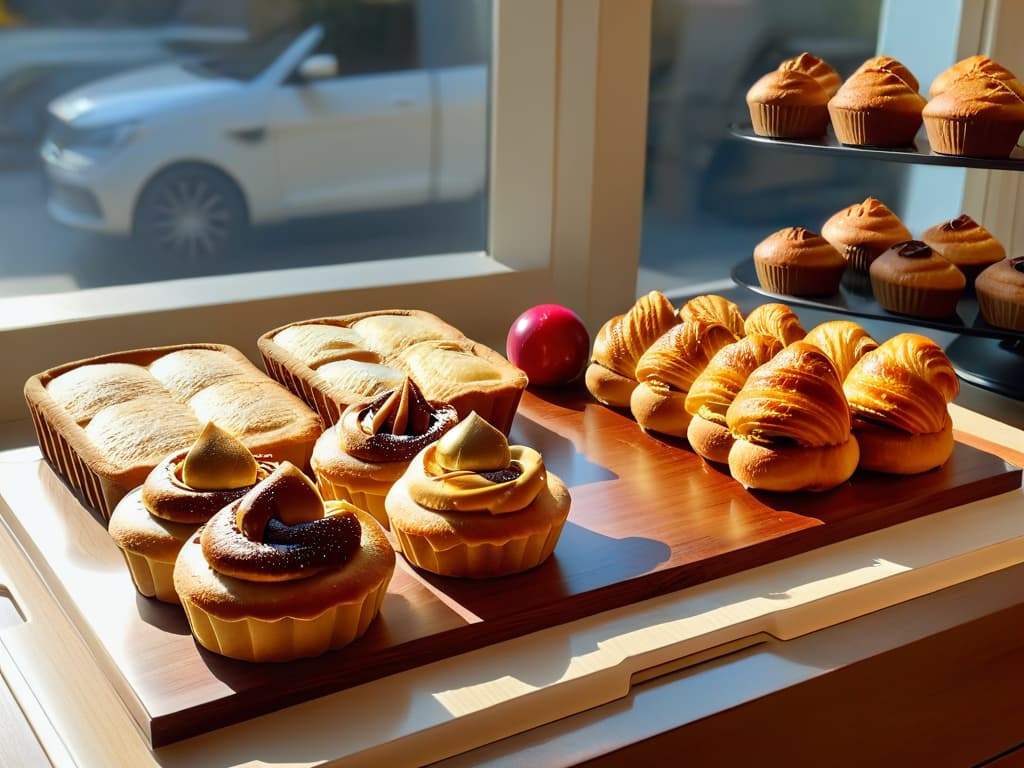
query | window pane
(145,140)
(709,198)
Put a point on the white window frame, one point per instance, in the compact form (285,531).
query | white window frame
(569,98)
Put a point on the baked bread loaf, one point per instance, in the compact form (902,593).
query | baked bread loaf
(898,395)
(792,425)
(361,457)
(788,104)
(472,506)
(714,389)
(875,107)
(966,243)
(279,574)
(666,371)
(809,64)
(974,66)
(975,116)
(107,421)
(776,320)
(863,231)
(844,341)
(152,522)
(889,64)
(911,279)
(713,309)
(798,262)
(611,375)
(333,362)
(1000,291)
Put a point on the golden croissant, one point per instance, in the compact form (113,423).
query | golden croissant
(796,397)
(715,309)
(679,355)
(906,384)
(713,391)
(621,341)
(776,320)
(844,341)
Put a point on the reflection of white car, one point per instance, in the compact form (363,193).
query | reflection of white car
(187,156)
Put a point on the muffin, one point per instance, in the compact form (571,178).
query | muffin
(912,279)
(787,104)
(280,574)
(666,371)
(977,116)
(359,458)
(792,425)
(713,391)
(966,243)
(775,320)
(798,262)
(152,522)
(875,107)
(973,66)
(863,231)
(819,69)
(472,506)
(889,64)
(898,395)
(1000,290)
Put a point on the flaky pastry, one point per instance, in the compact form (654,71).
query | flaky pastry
(844,341)
(776,320)
(714,309)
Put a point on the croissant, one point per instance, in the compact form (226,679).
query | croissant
(844,341)
(668,368)
(898,395)
(716,309)
(792,424)
(713,391)
(776,320)
(620,342)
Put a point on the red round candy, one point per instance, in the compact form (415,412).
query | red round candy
(549,343)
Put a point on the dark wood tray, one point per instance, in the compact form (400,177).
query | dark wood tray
(648,517)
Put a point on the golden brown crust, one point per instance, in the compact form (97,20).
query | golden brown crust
(776,320)
(973,66)
(809,64)
(788,104)
(904,384)
(609,387)
(714,309)
(862,231)
(844,341)
(134,529)
(713,391)
(793,467)
(657,408)
(120,414)
(1000,290)
(875,107)
(966,243)
(910,278)
(709,440)
(787,86)
(895,452)
(798,262)
(796,397)
(889,64)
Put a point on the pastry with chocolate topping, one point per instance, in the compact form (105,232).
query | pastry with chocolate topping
(966,243)
(152,522)
(360,457)
(280,574)
(1000,290)
(471,505)
(912,279)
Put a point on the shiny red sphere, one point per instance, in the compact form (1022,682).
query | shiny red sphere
(550,344)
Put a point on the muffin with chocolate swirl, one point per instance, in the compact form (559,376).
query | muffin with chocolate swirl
(912,279)
(280,574)
(360,457)
(966,243)
(473,506)
(152,522)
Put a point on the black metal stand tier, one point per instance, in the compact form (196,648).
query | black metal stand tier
(986,356)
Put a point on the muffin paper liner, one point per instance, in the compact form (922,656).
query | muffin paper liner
(915,301)
(369,502)
(972,138)
(783,121)
(1002,313)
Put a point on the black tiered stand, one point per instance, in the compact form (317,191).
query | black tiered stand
(989,357)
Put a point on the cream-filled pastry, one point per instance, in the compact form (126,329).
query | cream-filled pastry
(152,522)
(471,505)
(360,457)
(280,574)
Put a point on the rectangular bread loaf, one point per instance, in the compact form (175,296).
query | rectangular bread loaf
(106,421)
(333,362)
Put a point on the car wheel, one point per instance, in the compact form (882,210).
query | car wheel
(191,212)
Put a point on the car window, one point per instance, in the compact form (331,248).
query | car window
(247,62)
(369,37)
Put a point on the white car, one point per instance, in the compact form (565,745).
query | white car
(187,157)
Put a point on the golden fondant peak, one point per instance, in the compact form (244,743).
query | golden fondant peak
(473,445)
(218,460)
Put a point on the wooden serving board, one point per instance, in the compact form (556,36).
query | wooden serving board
(648,517)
